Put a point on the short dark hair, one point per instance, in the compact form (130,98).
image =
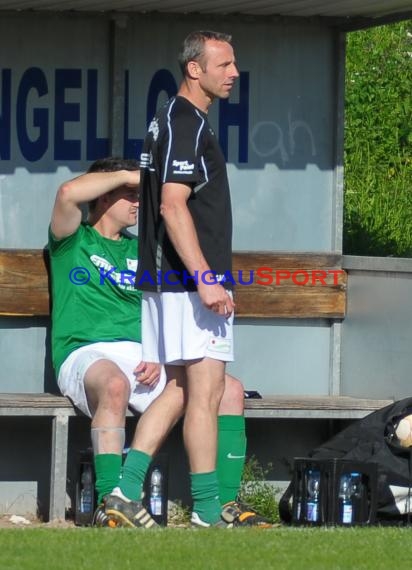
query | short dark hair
(193,46)
(111,164)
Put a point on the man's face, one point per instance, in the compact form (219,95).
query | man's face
(218,69)
(123,204)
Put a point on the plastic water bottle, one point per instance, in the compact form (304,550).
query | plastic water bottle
(299,498)
(87,490)
(156,483)
(359,513)
(313,487)
(345,498)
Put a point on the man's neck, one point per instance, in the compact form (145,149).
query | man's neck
(106,228)
(197,97)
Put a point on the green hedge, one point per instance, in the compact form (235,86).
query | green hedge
(378,141)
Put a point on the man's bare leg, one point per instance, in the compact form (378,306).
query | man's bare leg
(162,414)
(233,399)
(205,386)
(107,390)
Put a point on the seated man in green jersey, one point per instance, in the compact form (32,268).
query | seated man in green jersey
(96,342)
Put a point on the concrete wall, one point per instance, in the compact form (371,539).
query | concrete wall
(377,331)
(74,88)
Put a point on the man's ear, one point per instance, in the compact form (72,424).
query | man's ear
(106,199)
(193,69)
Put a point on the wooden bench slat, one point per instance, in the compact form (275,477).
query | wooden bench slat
(19,302)
(24,287)
(269,406)
(312,407)
(34,400)
(286,260)
(308,303)
(316,403)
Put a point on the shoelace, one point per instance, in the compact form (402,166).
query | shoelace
(100,517)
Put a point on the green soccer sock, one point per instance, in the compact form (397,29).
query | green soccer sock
(133,474)
(205,494)
(231,450)
(107,467)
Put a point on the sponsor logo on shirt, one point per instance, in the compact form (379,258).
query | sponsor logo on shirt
(131,264)
(110,274)
(183,167)
(146,159)
(154,128)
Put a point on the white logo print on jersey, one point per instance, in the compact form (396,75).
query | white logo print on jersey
(183,167)
(146,159)
(154,128)
(123,279)
(131,264)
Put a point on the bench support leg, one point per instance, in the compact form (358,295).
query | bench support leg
(60,436)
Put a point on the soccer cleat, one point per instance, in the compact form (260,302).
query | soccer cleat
(100,519)
(241,514)
(128,513)
(197,522)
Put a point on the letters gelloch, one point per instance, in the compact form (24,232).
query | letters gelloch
(38,104)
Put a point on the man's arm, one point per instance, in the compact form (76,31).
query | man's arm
(182,233)
(66,215)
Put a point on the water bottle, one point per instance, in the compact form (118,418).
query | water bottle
(359,512)
(87,489)
(345,498)
(313,487)
(299,501)
(156,484)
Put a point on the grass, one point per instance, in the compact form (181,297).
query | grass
(279,548)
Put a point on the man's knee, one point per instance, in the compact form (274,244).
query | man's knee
(114,393)
(174,397)
(232,402)
(118,387)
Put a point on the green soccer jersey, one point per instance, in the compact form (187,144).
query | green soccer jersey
(93,293)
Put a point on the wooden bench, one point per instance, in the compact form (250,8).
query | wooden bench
(285,285)
(276,292)
(60,409)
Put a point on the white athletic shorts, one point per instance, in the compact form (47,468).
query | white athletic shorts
(177,327)
(126,354)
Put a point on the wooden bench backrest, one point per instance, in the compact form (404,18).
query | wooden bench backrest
(24,284)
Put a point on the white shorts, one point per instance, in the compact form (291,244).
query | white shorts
(125,354)
(177,327)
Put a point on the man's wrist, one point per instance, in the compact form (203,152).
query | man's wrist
(208,277)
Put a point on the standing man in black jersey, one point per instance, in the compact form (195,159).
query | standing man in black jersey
(185,224)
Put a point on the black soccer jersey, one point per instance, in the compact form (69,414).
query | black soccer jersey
(180,146)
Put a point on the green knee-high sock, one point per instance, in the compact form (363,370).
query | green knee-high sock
(205,494)
(231,450)
(107,467)
(133,474)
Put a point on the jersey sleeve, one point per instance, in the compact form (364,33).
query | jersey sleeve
(181,149)
(61,246)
